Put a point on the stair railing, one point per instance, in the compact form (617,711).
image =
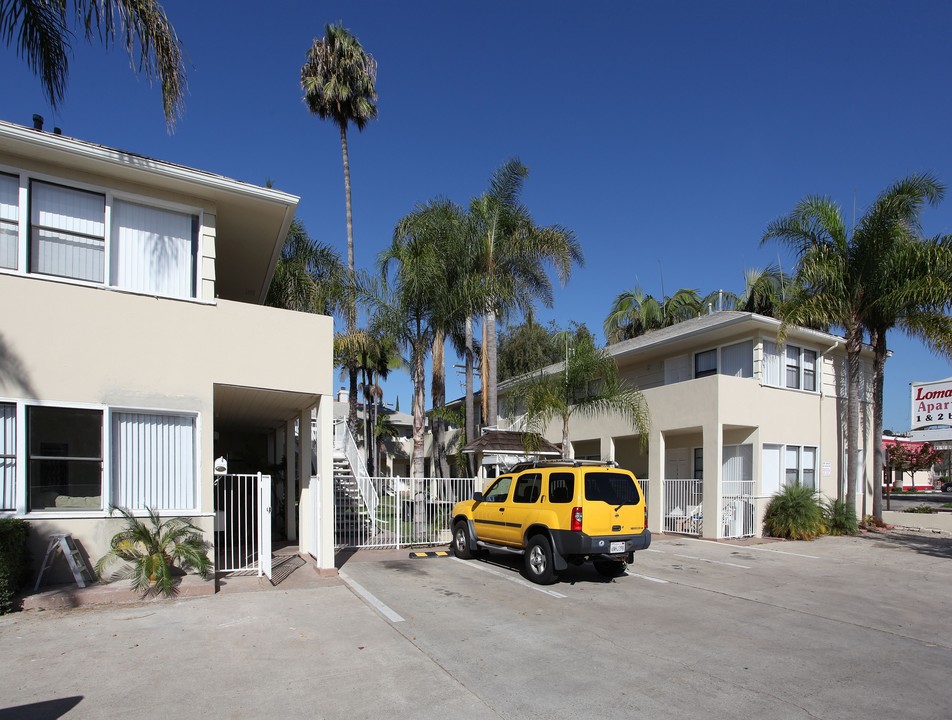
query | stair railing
(344,442)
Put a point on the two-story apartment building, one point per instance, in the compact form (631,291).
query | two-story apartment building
(735,416)
(135,347)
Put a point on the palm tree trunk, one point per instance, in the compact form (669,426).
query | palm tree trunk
(347,205)
(484,374)
(417,465)
(489,382)
(879,368)
(470,405)
(565,436)
(352,401)
(854,343)
(441,466)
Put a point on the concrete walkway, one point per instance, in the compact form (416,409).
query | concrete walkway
(306,648)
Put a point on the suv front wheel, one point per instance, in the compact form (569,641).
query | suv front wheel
(539,565)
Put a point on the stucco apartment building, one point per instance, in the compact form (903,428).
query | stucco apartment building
(735,416)
(135,348)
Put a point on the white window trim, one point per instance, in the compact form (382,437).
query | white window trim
(107,473)
(817,367)
(783,461)
(110,194)
(719,359)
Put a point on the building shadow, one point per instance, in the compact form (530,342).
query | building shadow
(45,710)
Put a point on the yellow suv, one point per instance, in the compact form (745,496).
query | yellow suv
(556,513)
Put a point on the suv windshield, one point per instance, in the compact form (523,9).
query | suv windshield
(612,488)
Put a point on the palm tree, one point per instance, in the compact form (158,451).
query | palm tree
(589,385)
(41,33)
(308,277)
(634,312)
(840,272)
(152,552)
(512,255)
(913,294)
(765,289)
(338,79)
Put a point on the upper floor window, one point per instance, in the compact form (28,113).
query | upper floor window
(95,237)
(705,363)
(794,368)
(9,220)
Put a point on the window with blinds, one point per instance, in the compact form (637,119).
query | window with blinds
(9,220)
(67,232)
(8,456)
(153,461)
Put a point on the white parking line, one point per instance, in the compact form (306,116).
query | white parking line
(518,581)
(384,610)
(761,549)
(648,577)
(715,562)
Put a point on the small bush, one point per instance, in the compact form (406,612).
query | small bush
(924,509)
(871,522)
(14,561)
(794,514)
(840,518)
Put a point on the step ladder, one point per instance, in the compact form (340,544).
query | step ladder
(63,543)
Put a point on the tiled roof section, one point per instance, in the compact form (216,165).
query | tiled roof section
(508,442)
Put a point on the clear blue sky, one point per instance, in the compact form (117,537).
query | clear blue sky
(666,135)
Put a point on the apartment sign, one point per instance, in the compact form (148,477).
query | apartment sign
(931,403)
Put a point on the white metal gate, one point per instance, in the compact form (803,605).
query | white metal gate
(243,523)
(683,506)
(410,511)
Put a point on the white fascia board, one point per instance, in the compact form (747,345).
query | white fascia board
(128,160)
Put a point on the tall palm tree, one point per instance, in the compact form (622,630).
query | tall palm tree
(913,294)
(840,273)
(513,253)
(589,385)
(40,31)
(338,79)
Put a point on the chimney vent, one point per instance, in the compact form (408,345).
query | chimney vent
(57,131)
(37,122)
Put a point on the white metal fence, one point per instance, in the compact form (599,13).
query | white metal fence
(410,511)
(683,506)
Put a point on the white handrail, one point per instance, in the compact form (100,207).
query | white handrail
(344,440)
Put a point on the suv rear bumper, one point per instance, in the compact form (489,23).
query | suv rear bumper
(568,543)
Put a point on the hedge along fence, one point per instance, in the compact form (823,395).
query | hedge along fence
(14,561)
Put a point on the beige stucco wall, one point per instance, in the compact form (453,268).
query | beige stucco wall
(73,343)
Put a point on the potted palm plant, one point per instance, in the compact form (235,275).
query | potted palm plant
(157,553)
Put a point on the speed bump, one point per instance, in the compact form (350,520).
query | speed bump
(437,553)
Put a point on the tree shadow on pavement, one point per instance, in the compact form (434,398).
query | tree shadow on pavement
(45,710)
(922,543)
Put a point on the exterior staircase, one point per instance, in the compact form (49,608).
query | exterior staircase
(355,497)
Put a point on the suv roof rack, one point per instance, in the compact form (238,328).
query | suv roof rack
(530,464)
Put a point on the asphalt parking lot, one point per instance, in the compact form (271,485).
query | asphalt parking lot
(836,628)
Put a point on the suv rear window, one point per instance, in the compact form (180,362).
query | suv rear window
(612,488)
(561,487)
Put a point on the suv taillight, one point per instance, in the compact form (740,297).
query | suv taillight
(646,515)
(576,519)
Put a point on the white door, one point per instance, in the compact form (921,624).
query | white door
(264,525)
(677,464)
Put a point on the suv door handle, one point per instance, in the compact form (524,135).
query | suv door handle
(502,509)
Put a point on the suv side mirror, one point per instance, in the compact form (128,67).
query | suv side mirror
(478,496)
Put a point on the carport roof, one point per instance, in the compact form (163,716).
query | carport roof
(508,442)
(248,408)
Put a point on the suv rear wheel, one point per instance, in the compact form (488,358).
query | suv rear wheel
(539,565)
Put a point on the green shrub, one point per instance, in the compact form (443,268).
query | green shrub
(924,509)
(840,518)
(794,514)
(14,561)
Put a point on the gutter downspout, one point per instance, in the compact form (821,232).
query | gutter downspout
(839,491)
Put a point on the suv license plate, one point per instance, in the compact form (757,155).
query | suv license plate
(617,547)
